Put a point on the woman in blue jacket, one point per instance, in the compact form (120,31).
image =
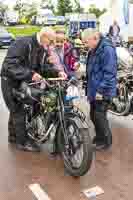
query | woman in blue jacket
(101,74)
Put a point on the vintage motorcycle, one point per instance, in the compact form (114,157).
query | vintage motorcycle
(51,116)
(122,104)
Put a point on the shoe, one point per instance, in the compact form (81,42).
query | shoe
(102,144)
(29,147)
(53,154)
(12,139)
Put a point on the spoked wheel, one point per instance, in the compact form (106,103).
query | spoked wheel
(121,104)
(78,155)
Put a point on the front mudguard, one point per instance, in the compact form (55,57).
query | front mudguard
(79,118)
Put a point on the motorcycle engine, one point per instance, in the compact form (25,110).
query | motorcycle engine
(40,123)
(49,101)
(37,127)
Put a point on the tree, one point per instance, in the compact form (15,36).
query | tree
(30,12)
(44,3)
(3,8)
(77,7)
(63,7)
(47,4)
(19,7)
(50,5)
(97,11)
(26,10)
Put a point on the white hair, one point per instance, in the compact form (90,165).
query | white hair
(46,31)
(89,33)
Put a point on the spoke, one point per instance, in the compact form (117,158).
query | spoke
(77,158)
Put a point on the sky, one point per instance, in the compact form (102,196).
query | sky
(99,3)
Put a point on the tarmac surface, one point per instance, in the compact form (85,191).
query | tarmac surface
(111,170)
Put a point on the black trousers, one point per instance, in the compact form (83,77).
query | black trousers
(11,126)
(16,123)
(98,114)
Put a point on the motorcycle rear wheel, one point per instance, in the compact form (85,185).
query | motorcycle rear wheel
(123,105)
(125,112)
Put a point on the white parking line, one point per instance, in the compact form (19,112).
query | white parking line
(39,193)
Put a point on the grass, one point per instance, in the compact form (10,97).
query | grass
(23,30)
(27,30)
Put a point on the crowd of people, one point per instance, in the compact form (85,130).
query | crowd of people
(31,58)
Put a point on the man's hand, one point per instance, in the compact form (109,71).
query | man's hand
(36,77)
(76,66)
(62,75)
(51,59)
(99,96)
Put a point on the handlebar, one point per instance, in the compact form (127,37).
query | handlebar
(25,90)
(46,81)
(56,79)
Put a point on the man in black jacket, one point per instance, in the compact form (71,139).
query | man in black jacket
(25,61)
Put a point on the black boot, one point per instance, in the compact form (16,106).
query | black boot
(29,146)
(102,143)
(108,141)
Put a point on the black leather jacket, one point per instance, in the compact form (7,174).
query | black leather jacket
(24,57)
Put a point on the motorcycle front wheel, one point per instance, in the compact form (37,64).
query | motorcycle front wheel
(78,155)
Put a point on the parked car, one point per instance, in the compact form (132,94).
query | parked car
(50,20)
(60,20)
(11,18)
(42,15)
(5,38)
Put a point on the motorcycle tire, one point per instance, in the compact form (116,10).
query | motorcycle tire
(125,112)
(87,150)
(122,108)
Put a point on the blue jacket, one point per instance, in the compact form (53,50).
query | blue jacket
(102,70)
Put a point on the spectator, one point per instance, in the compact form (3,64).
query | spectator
(114,30)
(67,56)
(101,71)
(114,33)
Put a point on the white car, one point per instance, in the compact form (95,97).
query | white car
(11,18)
(50,21)
(39,20)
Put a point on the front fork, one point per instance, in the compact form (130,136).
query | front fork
(62,121)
